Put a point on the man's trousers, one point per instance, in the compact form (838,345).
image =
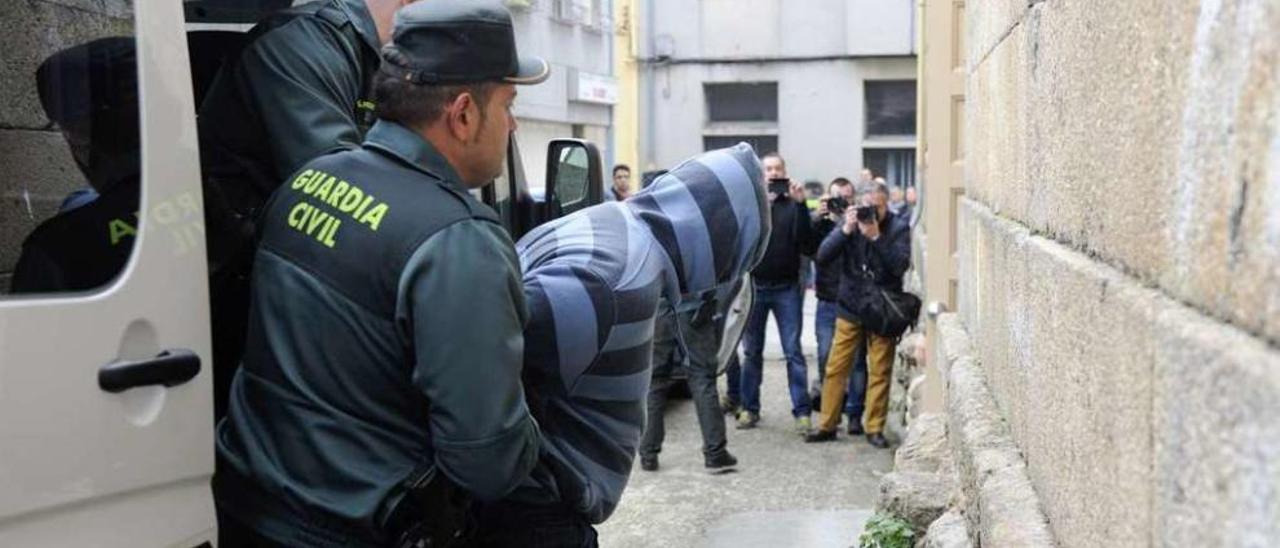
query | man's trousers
(839,365)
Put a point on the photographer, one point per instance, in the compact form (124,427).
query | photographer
(778,289)
(874,247)
(828,217)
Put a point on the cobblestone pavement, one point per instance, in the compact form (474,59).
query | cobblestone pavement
(785,493)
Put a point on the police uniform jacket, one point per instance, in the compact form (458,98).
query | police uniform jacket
(299,88)
(385,333)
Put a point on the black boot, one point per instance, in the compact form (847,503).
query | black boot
(720,461)
(855,426)
(649,463)
(877,440)
(818,436)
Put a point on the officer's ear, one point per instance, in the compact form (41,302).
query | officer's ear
(463,117)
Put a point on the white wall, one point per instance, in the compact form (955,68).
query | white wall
(741,29)
(881,27)
(820,110)
(546,111)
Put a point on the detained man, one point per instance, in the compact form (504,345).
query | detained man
(596,282)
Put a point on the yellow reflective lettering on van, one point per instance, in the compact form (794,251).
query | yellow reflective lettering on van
(119,229)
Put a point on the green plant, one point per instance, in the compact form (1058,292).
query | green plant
(886,531)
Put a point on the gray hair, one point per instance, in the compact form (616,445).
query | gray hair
(880,188)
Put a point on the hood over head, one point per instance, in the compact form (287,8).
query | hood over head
(711,215)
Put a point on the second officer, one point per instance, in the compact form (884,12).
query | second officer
(385,336)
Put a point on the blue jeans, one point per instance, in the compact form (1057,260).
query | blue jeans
(787,304)
(825,330)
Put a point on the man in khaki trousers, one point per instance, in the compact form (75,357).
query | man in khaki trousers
(873,247)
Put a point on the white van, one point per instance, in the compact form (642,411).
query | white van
(106,412)
(106,400)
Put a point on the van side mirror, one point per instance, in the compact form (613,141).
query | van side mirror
(574,177)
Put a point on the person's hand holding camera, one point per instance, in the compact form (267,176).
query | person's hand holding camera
(869,229)
(864,219)
(822,210)
(850,221)
(797,192)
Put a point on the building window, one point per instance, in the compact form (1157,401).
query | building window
(763,144)
(891,108)
(562,10)
(595,16)
(896,165)
(589,13)
(756,102)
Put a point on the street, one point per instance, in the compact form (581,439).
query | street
(784,492)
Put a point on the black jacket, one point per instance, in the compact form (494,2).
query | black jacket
(793,235)
(826,284)
(83,248)
(861,261)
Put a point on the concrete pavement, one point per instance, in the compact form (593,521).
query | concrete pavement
(785,493)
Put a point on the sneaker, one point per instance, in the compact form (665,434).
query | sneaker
(747,419)
(803,425)
(729,406)
(649,464)
(720,462)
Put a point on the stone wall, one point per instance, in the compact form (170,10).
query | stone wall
(1120,260)
(38,170)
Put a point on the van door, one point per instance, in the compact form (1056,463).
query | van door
(106,434)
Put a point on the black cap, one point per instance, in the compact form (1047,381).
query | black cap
(456,42)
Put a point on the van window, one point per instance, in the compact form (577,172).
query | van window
(69,146)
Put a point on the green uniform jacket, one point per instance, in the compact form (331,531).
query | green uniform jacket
(385,333)
(300,88)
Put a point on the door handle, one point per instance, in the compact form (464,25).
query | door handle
(169,368)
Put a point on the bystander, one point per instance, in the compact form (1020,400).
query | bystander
(827,287)
(621,187)
(874,246)
(778,290)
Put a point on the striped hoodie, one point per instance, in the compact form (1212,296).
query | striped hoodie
(594,282)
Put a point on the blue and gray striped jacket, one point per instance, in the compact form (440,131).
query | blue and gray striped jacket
(594,282)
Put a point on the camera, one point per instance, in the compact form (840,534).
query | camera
(837,205)
(866,214)
(780,188)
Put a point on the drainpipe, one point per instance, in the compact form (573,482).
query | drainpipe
(650,140)
(611,160)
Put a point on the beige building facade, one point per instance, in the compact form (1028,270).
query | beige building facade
(1113,256)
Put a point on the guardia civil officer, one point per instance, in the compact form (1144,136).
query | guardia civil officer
(385,340)
(301,86)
